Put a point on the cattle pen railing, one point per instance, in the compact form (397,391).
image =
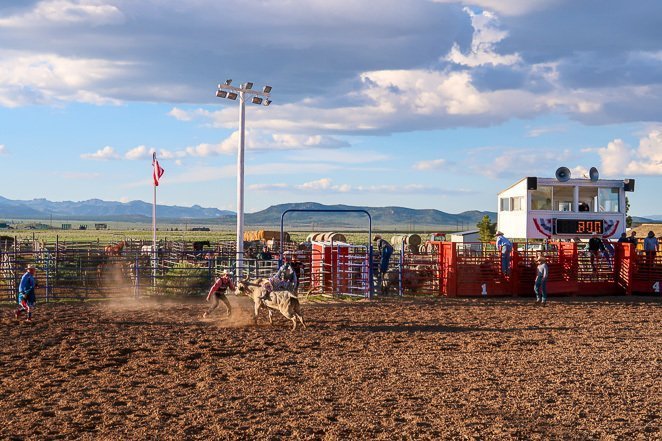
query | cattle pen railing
(86,271)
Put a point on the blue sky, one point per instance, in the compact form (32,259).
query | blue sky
(417,103)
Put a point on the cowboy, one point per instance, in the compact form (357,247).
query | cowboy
(505,248)
(540,285)
(217,293)
(26,297)
(385,250)
(284,279)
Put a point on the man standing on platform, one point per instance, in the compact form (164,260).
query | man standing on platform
(505,248)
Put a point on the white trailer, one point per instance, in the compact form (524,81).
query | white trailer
(545,208)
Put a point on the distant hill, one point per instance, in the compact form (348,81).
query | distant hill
(138,211)
(381,216)
(96,209)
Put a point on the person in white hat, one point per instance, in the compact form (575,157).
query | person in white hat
(505,248)
(26,298)
(540,285)
(217,293)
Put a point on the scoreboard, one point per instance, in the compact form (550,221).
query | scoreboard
(578,226)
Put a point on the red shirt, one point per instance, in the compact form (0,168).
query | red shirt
(221,284)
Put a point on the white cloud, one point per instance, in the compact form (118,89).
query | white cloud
(326,186)
(620,160)
(51,79)
(103,154)
(64,12)
(483,44)
(268,187)
(140,152)
(3,149)
(507,7)
(431,164)
(124,199)
(515,163)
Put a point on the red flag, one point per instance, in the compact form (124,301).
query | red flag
(158,171)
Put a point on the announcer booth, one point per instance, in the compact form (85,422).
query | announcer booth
(563,208)
(563,211)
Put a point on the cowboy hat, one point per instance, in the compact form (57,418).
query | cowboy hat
(30,267)
(498,233)
(377,237)
(541,259)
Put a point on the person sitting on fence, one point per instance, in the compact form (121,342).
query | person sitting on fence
(217,293)
(623,238)
(595,248)
(26,298)
(285,279)
(540,285)
(505,248)
(384,250)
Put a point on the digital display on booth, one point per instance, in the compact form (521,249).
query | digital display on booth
(578,226)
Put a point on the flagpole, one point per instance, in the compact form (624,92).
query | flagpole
(154,249)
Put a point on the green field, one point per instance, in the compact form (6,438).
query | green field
(112,235)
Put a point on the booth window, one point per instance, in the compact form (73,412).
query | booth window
(563,197)
(588,199)
(608,200)
(504,204)
(541,199)
(517,203)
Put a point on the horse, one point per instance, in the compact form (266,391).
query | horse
(114,250)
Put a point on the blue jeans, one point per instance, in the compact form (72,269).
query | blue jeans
(505,263)
(386,257)
(540,289)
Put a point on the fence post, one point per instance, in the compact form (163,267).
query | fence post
(136,284)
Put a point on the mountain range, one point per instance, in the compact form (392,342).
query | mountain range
(139,211)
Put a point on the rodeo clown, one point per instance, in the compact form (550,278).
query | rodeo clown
(217,293)
(26,298)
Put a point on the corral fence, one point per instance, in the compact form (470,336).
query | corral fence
(475,269)
(90,270)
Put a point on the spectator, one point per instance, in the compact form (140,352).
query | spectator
(26,298)
(265,254)
(595,248)
(505,248)
(633,238)
(650,248)
(540,285)
(623,238)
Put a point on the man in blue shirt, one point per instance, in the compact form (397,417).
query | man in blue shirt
(26,297)
(505,248)
(385,250)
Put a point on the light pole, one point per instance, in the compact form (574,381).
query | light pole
(230,92)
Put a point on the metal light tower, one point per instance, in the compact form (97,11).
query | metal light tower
(258,97)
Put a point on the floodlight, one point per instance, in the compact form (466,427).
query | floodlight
(232,96)
(221,93)
(248,85)
(228,82)
(256,100)
(266,89)
(266,102)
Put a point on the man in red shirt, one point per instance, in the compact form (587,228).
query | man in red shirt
(217,293)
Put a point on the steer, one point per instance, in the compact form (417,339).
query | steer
(283,301)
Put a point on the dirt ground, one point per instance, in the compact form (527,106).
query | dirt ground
(395,369)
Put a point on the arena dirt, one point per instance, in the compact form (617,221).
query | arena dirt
(420,369)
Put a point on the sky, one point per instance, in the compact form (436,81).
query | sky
(416,103)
